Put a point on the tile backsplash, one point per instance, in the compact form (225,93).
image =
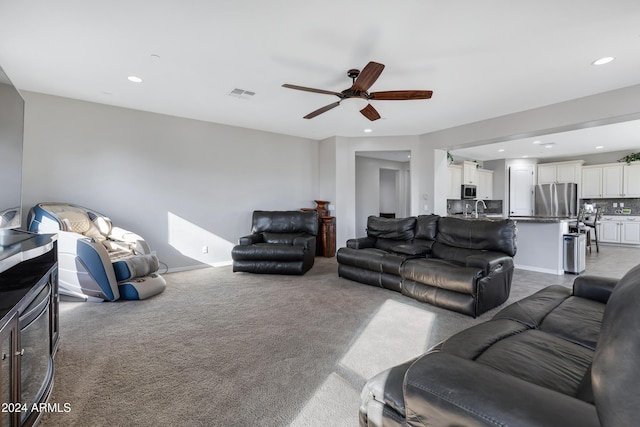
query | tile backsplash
(458,206)
(609,209)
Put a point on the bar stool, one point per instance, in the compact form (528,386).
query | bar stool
(592,223)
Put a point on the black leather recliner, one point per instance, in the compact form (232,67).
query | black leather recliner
(281,242)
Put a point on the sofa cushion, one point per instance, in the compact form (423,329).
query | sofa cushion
(452,253)
(442,274)
(427,227)
(389,244)
(281,238)
(481,235)
(391,228)
(268,252)
(540,358)
(555,311)
(285,222)
(417,248)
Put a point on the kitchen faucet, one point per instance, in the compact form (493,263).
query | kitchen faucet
(483,204)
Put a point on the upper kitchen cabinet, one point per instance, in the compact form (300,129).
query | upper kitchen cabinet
(454,181)
(591,182)
(610,181)
(470,173)
(613,181)
(484,190)
(560,172)
(631,179)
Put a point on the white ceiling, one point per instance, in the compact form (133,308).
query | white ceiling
(482,59)
(575,143)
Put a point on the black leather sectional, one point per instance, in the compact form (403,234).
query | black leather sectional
(560,357)
(458,264)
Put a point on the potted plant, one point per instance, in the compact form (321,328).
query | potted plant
(630,158)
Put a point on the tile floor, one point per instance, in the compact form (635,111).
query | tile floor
(612,261)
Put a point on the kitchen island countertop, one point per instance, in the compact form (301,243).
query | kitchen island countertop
(541,219)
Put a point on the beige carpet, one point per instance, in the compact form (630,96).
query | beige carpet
(233,349)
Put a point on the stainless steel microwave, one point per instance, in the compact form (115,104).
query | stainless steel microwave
(468,191)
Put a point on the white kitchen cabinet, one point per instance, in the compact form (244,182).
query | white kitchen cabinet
(631,186)
(547,173)
(485,184)
(619,229)
(591,187)
(470,173)
(612,181)
(560,172)
(630,233)
(454,182)
(609,231)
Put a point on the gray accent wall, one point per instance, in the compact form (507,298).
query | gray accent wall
(182,184)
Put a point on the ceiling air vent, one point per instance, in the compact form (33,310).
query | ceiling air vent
(241,93)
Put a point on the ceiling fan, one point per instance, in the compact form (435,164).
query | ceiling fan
(362,81)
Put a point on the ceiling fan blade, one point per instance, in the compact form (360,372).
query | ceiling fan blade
(370,113)
(310,89)
(401,95)
(368,76)
(322,110)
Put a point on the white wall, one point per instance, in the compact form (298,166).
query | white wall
(182,184)
(346,149)
(368,189)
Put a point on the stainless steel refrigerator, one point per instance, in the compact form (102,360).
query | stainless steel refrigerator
(556,200)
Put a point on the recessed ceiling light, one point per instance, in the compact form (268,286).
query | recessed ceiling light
(548,146)
(368,130)
(603,61)
(599,147)
(134,79)
(524,157)
(537,142)
(501,150)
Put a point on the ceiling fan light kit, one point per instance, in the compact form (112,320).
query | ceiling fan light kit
(361,82)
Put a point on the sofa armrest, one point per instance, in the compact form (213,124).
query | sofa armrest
(490,261)
(361,242)
(251,239)
(307,241)
(595,288)
(443,390)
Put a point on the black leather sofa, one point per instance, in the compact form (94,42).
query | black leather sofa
(458,264)
(281,242)
(560,357)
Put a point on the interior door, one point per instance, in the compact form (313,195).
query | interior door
(521,183)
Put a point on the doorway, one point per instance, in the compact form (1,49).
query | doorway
(382,186)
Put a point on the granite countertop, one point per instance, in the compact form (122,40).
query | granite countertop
(485,217)
(541,219)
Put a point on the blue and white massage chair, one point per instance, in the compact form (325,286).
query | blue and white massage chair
(97,261)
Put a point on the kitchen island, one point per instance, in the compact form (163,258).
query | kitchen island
(540,243)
